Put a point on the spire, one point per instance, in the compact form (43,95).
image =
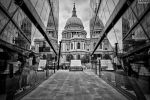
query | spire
(74,11)
(96,8)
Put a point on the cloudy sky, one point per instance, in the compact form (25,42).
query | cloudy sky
(65,12)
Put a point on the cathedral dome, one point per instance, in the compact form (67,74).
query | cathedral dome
(98,22)
(74,20)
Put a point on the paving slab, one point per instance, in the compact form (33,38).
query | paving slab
(74,85)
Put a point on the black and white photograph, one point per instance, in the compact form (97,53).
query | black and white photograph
(74,49)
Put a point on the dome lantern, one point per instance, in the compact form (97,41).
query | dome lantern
(74,11)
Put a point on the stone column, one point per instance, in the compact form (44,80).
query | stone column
(74,45)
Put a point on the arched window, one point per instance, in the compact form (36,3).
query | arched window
(78,45)
(69,57)
(100,46)
(71,45)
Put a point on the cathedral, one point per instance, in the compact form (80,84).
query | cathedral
(75,44)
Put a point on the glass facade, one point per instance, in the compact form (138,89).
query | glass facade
(17,33)
(14,25)
(129,38)
(131,33)
(9,31)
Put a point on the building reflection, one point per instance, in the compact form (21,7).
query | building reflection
(20,23)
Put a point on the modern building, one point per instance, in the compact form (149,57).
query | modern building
(19,25)
(20,22)
(96,27)
(135,42)
(131,18)
(75,44)
(41,45)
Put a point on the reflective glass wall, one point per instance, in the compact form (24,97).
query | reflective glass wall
(17,33)
(131,33)
(10,32)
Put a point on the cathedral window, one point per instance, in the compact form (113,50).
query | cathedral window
(71,45)
(72,34)
(78,45)
(100,46)
(78,57)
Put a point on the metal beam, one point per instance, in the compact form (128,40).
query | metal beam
(141,48)
(59,53)
(13,47)
(137,23)
(32,14)
(119,10)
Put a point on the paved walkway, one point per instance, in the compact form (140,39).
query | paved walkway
(74,85)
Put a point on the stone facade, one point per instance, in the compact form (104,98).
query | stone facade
(75,43)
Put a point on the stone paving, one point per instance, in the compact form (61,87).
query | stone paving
(74,85)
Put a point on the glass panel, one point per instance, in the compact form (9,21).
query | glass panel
(115,35)
(12,7)
(138,8)
(12,35)
(9,33)
(138,34)
(44,14)
(135,39)
(106,9)
(6,3)
(34,2)
(130,18)
(146,23)
(19,17)
(3,20)
(39,7)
